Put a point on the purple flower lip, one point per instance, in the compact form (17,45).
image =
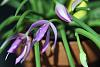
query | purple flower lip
(19,41)
(62,12)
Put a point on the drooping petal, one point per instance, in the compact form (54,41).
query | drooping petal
(55,34)
(28,44)
(75,3)
(62,12)
(14,45)
(7,40)
(37,23)
(46,42)
(41,32)
(18,59)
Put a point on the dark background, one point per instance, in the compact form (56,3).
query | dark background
(5,12)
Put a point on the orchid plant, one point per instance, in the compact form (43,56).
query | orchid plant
(41,18)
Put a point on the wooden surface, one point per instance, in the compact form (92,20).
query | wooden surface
(58,57)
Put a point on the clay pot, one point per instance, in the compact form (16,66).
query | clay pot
(58,57)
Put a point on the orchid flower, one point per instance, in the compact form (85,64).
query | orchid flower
(22,39)
(75,3)
(44,29)
(62,12)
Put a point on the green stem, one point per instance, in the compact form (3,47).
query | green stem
(20,6)
(40,6)
(95,23)
(13,2)
(83,25)
(11,32)
(34,5)
(56,20)
(19,23)
(3,46)
(83,58)
(89,35)
(6,43)
(8,21)
(37,55)
(66,45)
(78,41)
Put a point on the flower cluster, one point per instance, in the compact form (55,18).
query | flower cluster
(45,25)
(45,28)
(24,39)
(62,12)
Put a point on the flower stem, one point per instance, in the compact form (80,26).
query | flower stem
(66,45)
(78,41)
(20,6)
(20,21)
(83,25)
(94,23)
(33,4)
(37,55)
(83,58)
(88,35)
(8,21)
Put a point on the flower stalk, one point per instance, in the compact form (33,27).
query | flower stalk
(83,58)
(66,45)
(37,54)
(88,35)
(86,27)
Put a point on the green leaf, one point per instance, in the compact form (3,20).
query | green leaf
(61,1)
(20,6)
(19,23)
(82,53)
(14,3)
(8,21)
(83,59)
(89,35)
(4,2)
(40,6)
